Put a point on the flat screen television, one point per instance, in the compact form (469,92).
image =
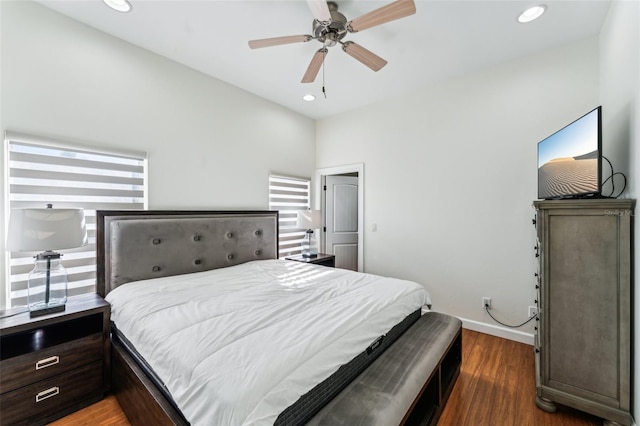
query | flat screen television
(570,160)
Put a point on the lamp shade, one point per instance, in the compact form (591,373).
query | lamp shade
(309,219)
(46,229)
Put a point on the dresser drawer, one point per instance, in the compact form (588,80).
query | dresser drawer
(32,367)
(29,404)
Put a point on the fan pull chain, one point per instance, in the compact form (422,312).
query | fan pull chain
(324,57)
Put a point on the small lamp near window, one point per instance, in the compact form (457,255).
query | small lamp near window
(309,220)
(47,230)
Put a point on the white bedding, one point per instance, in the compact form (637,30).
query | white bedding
(238,345)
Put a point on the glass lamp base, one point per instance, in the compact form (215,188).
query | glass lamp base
(47,285)
(309,245)
(44,309)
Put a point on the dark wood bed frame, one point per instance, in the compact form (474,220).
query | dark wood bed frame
(421,367)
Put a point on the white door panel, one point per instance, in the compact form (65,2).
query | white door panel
(342,220)
(345,208)
(346,256)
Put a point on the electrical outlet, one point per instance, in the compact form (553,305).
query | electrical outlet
(533,311)
(486,302)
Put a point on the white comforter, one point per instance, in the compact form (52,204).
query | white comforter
(238,345)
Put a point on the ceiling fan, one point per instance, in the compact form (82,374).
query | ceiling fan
(331,26)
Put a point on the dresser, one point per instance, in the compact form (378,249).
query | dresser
(583,338)
(54,364)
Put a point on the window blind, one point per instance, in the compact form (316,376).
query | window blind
(42,172)
(287,195)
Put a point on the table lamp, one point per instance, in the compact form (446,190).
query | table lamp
(309,220)
(47,230)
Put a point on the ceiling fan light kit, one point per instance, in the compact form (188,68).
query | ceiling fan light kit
(330,27)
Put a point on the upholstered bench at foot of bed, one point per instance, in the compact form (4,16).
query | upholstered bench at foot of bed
(424,361)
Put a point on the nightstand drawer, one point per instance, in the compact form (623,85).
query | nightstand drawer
(51,395)
(35,366)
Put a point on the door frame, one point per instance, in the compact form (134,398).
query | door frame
(340,170)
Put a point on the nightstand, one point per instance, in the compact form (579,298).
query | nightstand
(54,364)
(322,259)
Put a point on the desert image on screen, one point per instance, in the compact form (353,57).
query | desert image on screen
(568,160)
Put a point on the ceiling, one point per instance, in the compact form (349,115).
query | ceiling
(442,40)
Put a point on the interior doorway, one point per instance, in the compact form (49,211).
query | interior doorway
(339,193)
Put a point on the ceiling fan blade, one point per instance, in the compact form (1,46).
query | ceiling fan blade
(363,55)
(320,10)
(396,10)
(314,66)
(276,41)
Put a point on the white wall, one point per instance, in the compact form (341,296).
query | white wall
(450,176)
(620,96)
(210,145)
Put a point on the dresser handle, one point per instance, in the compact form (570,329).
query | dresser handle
(47,362)
(45,394)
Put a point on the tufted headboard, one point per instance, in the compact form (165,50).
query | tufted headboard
(141,244)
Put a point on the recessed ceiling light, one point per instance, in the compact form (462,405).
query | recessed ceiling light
(119,5)
(532,13)
(308,98)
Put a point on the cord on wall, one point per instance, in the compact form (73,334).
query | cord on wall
(486,308)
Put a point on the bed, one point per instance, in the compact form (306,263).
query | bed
(209,327)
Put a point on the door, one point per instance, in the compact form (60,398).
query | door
(341,216)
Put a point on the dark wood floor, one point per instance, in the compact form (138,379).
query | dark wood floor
(496,387)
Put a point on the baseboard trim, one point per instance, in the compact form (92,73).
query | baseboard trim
(493,330)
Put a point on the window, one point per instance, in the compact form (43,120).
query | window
(42,172)
(287,195)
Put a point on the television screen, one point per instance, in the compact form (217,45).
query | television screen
(569,161)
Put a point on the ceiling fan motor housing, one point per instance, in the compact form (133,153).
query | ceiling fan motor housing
(336,29)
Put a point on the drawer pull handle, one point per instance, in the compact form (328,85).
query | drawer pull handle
(47,362)
(45,394)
